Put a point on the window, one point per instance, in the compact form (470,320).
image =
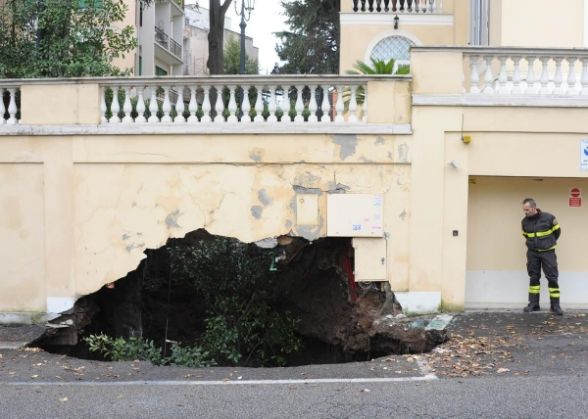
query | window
(160,71)
(397,47)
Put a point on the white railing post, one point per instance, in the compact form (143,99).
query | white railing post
(192,106)
(299,106)
(312,106)
(245,105)
(272,106)
(180,107)
(12,108)
(153,108)
(206,106)
(353,104)
(584,78)
(531,78)
(502,87)
(140,119)
(218,113)
(325,107)
(232,105)
(339,105)
(258,104)
(365,104)
(544,76)
(516,75)
(103,108)
(474,75)
(488,76)
(127,107)
(571,80)
(115,106)
(558,76)
(166,108)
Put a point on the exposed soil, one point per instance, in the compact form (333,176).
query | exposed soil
(340,320)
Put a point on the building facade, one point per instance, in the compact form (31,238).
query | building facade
(424,172)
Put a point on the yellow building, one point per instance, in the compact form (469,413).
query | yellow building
(426,172)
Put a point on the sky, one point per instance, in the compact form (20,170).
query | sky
(266,18)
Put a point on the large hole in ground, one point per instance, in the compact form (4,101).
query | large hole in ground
(215,300)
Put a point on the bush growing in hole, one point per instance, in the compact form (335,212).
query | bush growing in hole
(119,349)
(234,279)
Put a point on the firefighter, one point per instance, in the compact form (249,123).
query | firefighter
(541,231)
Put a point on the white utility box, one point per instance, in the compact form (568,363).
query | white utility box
(370,259)
(355,215)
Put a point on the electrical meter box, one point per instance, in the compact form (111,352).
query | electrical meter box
(370,259)
(355,215)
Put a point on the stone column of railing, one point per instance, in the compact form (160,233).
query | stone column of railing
(9,111)
(230,100)
(521,71)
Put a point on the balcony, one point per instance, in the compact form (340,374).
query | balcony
(398,6)
(167,43)
(486,76)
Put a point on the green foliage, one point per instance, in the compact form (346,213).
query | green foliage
(242,325)
(119,349)
(312,43)
(379,67)
(62,38)
(232,55)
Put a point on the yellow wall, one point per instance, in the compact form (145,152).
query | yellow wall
(542,23)
(80,210)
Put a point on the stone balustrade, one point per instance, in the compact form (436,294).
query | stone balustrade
(398,6)
(518,71)
(244,100)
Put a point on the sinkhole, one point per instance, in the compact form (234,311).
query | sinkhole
(212,300)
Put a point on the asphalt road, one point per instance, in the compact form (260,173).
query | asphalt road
(495,397)
(497,365)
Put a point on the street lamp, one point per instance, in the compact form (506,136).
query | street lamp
(245,13)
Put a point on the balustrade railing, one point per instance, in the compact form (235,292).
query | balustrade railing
(398,6)
(9,105)
(275,100)
(518,71)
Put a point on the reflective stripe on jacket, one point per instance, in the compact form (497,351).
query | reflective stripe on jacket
(541,231)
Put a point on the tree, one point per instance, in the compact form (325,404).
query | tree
(380,67)
(217,11)
(232,56)
(312,43)
(68,38)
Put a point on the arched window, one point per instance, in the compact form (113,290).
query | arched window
(397,47)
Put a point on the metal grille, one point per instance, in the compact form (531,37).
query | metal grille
(397,47)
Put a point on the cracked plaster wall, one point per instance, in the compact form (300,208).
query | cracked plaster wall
(96,203)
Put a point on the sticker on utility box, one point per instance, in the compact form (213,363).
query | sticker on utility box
(355,215)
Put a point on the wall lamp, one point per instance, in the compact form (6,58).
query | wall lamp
(396,20)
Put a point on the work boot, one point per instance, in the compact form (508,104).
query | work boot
(533,303)
(556,309)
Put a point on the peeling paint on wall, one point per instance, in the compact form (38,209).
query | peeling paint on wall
(348,144)
(256,211)
(256,154)
(379,140)
(264,197)
(171,221)
(338,187)
(303,190)
(402,153)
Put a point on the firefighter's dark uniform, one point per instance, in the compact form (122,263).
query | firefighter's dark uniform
(541,232)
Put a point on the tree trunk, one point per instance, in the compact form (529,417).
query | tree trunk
(217,13)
